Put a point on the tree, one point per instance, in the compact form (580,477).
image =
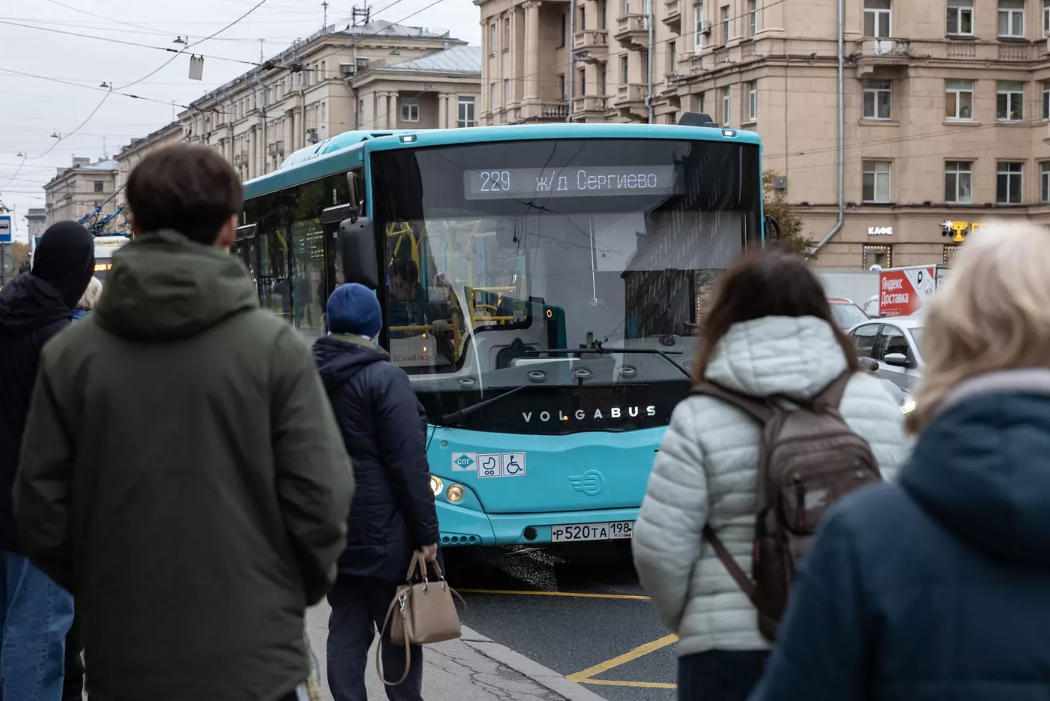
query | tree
(19,252)
(776,205)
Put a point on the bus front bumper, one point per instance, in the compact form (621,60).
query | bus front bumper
(463,526)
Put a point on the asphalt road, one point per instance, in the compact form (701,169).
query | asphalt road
(575,609)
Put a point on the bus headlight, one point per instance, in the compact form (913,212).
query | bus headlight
(436,485)
(454,493)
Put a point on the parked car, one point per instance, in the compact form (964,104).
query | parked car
(846,313)
(893,344)
(904,398)
(871,307)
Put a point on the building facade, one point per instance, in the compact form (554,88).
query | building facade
(378,76)
(36,221)
(130,155)
(75,192)
(946,104)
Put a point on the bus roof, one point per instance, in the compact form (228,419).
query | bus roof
(343,151)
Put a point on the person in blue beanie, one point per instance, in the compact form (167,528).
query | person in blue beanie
(393,513)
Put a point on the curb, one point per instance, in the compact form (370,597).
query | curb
(547,678)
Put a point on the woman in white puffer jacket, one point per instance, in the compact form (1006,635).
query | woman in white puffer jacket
(769,332)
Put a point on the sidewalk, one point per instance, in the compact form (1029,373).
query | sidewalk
(473,668)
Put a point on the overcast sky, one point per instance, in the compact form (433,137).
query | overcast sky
(37,107)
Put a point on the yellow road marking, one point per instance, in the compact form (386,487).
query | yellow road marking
(635,597)
(626,657)
(647,685)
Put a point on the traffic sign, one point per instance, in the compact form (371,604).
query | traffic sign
(5,228)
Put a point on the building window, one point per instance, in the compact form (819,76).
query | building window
(603,14)
(881,256)
(958,99)
(623,69)
(958,182)
(466,112)
(492,97)
(1046,99)
(323,75)
(752,18)
(698,26)
(1009,101)
(601,80)
(1011,18)
(725,106)
(561,87)
(1009,182)
(702,103)
(581,76)
(506,35)
(672,58)
(725,25)
(877,18)
(626,7)
(1046,18)
(877,99)
(960,17)
(583,20)
(752,101)
(1044,182)
(99,186)
(561,36)
(876,182)
(492,39)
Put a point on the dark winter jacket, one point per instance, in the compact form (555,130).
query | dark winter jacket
(184,478)
(31,312)
(937,587)
(384,429)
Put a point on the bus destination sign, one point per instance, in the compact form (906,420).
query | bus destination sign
(577,181)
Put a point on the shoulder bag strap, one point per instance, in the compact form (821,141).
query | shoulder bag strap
(831,396)
(757,408)
(379,648)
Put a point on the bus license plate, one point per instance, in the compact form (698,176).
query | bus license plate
(573,532)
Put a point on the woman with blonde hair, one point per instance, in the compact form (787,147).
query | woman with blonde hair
(89,301)
(936,587)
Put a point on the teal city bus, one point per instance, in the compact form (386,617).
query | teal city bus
(541,285)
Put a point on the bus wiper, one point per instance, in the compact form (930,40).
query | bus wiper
(598,349)
(455,416)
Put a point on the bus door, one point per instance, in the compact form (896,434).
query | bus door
(246,247)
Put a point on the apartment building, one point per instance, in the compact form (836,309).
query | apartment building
(377,76)
(76,191)
(946,103)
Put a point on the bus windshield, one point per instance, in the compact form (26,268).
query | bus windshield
(498,252)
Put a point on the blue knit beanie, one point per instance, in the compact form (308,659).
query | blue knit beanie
(354,309)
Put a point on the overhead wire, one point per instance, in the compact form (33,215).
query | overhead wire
(190,46)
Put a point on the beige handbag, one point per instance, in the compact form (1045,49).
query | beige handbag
(421,612)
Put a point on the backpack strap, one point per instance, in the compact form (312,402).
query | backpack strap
(757,408)
(831,396)
(746,584)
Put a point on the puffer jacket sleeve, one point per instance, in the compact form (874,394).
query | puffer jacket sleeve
(668,534)
(401,425)
(821,643)
(315,482)
(874,415)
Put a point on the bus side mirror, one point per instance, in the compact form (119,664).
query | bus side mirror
(357,248)
(773,230)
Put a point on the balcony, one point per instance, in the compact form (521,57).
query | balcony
(590,106)
(552,110)
(883,53)
(673,14)
(630,95)
(961,50)
(632,31)
(591,46)
(1016,53)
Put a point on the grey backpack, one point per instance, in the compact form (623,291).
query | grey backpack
(809,459)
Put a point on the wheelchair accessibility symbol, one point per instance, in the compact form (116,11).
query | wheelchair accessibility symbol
(513,464)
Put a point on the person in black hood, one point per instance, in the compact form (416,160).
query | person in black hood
(35,612)
(393,513)
(935,587)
